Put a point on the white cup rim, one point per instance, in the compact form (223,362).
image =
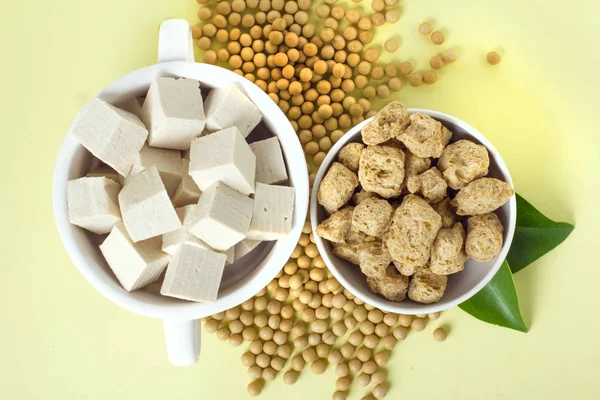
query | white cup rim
(400,307)
(133,84)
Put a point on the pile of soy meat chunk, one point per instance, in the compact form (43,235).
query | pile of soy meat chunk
(399,202)
(180,188)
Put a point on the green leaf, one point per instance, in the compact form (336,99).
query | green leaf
(535,235)
(497,302)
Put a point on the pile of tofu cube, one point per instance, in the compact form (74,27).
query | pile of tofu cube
(179,187)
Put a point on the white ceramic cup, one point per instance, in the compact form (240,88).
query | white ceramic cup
(462,285)
(242,279)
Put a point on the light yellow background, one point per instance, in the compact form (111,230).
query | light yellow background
(60,339)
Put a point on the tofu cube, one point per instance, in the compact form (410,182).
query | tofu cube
(270,166)
(173,112)
(167,162)
(172,240)
(245,247)
(135,264)
(93,203)
(223,156)
(133,105)
(228,107)
(105,171)
(145,206)
(273,211)
(187,192)
(113,135)
(222,217)
(194,274)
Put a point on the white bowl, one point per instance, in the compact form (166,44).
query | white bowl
(462,285)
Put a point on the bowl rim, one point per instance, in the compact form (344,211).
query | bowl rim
(422,308)
(272,263)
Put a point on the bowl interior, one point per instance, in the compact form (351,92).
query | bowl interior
(242,279)
(461,285)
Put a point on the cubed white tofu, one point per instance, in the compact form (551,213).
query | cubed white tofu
(245,247)
(173,112)
(113,135)
(167,162)
(222,217)
(273,211)
(194,274)
(134,106)
(145,206)
(187,192)
(135,264)
(172,240)
(105,171)
(223,156)
(93,203)
(270,166)
(227,107)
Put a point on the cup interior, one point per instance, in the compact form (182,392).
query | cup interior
(242,279)
(462,285)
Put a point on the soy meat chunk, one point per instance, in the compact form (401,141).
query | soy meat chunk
(426,287)
(228,107)
(222,217)
(482,196)
(392,285)
(430,184)
(273,212)
(173,112)
(223,156)
(113,135)
(346,252)
(336,227)
(444,209)
(381,170)
(447,254)
(337,187)
(484,237)
(388,123)
(167,162)
(270,166)
(187,192)
(362,195)
(373,257)
(425,137)
(145,206)
(350,155)
(414,165)
(93,203)
(372,216)
(411,234)
(134,264)
(194,274)
(462,162)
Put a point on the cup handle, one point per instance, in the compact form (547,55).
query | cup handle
(175,41)
(183,341)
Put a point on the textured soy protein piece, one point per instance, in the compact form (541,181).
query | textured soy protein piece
(388,123)
(346,252)
(381,170)
(484,237)
(337,187)
(445,210)
(350,155)
(372,216)
(425,137)
(362,195)
(447,254)
(392,285)
(93,203)
(414,165)
(373,257)
(411,234)
(482,196)
(336,227)
(426,287)
(462,162)
(430,184)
